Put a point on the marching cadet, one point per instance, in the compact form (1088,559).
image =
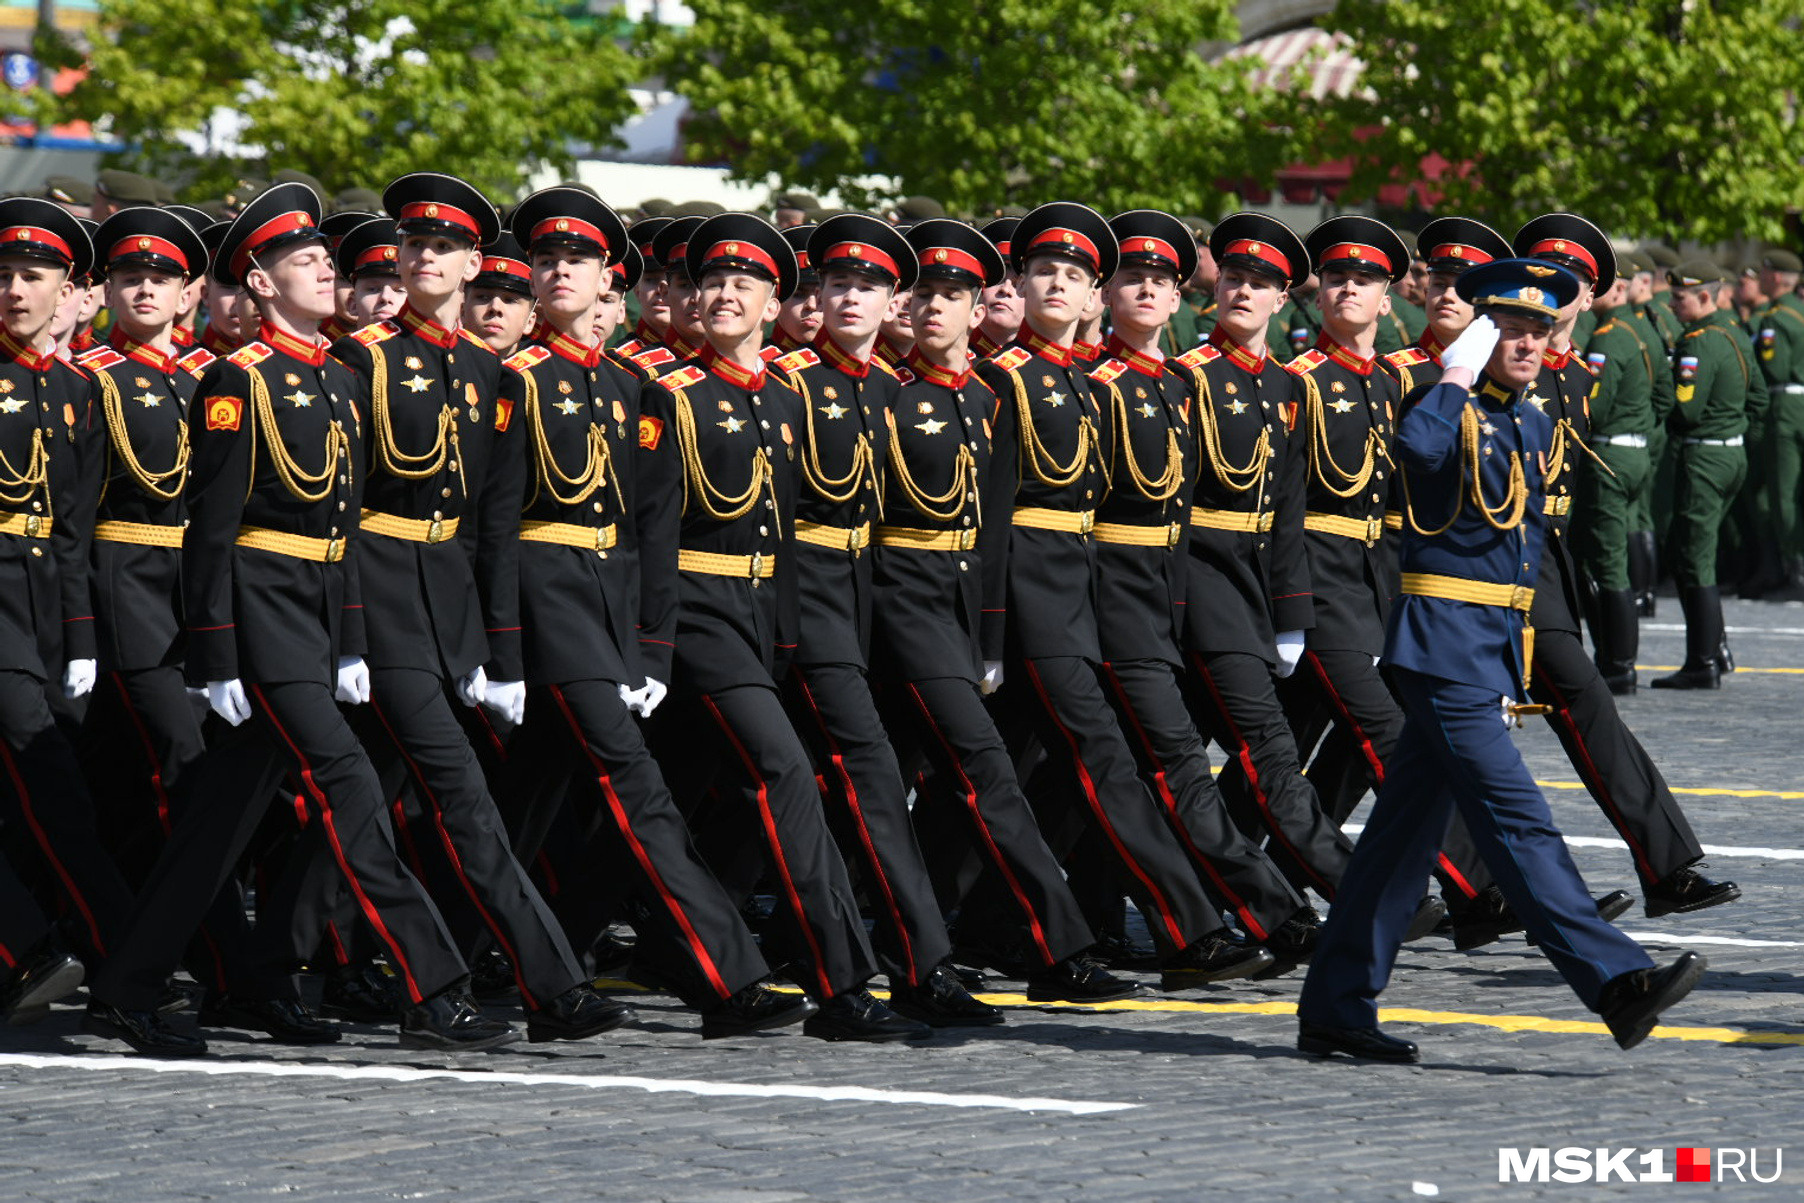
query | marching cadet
(849,406)
(1644,544)
(1401,319)
(226,305)
(1714,383)
(367,257)
(1779,345)
(596,608)
(188,310)
(1049,436)
(335,226)
(73,328)
(1087,343)
(799,317)
(498,305)
(654,307)
(275,616)
(1247,596)
(1455,645)
(50,464)
(1142,569)
(1002,300)
(718,439)
(896,335)
(940,582)
(622,278)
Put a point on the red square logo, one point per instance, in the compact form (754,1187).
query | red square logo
(1693,1165)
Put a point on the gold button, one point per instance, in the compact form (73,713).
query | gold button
(438,515)
(37,551)
(963,566)
(598,507)
(341,506)
(333,531)
(444,492)
(451,467)
(764,530)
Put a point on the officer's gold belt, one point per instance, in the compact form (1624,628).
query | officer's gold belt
(1366,530)
(145,534)
(927,540)
(570,534)
(1072,522)
(753,567)
(414,530)
(838,538)
(1166,536)
(1558,506)
(301,547)
(1393,520)
(32,526)
(1244,521)
(1458,588)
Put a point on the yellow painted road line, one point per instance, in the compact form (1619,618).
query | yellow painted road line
(1789,795)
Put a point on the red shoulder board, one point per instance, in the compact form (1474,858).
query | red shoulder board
(1108,371)
(768,353)
(99,357)
(1306,363)
(655,357)
(795,361)
(902,374)
(1011,358)
(528,357)
(376,332)
(1196,357)
(195,362)
(682,377)
(651,432)
(1408,357)
(249,354)
(626,348)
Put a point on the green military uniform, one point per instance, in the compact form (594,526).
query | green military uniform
(1401,327)
(1583,327)
(1185,331)
(1778,334)
(1292,330)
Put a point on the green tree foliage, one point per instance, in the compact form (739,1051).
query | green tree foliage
(353,91)
(1008,101)
(1675,118)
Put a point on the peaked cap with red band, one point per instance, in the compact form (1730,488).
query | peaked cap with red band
(1458,244)
(798,236)
(1356,243)
(566,216)
(281,216)
(155,238)
(39,229)
(742,242)
(1069,230)
(855,242)
(505,266)
(1150,238)
(670,247)
(371,248)
(1001,233)
(1255,242)
(1570,241)
(951,250)
(429,202)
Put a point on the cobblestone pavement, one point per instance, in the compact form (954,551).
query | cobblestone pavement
(1209,1099)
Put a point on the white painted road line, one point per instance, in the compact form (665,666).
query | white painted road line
(1661,937)
(401,1073)
(1592,841)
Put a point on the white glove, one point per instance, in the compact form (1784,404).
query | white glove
(1377,660)
(78,678)
(629,698)
(1290,651)
(228,700)
(197,698)
(472,687)
(1509,717)
(353,681)
(508,699)
(654,692)
(992,677)
(1472,349)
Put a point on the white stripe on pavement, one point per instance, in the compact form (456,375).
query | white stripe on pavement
(1592,841)
(1678,628)
(1661,937)
(400,1073)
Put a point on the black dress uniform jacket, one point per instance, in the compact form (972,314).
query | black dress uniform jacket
(1562,391)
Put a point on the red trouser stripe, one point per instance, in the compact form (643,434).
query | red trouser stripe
(312,789)
(1594,779)
(625,826)
(1374,762)
(1166,917)
(864,831)
(150,753)
(37,832)
(775,843)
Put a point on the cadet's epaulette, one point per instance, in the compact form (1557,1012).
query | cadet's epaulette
(473,340)
(768,354)
(902,374)
(528,357)
(1408,357)
(796,360)
(683,377)
(878,361)
(99,357)
(1011,358)
(1196,357)
(376,332)
(196,361)
(1109,370)
(250,353)
(1307,362)
(653,357)
(1695,333)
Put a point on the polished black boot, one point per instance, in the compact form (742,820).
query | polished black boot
(1631,1004)
(941,1001)
(1617,634)
(859,1015)
(1685,890)
(1644,570)
(452,1022)
(756,1008)
(576,1014)
(1703,608)
(42,976)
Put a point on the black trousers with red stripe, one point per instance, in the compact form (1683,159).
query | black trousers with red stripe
(1061,701)
(738,744)
(867,808)
(22,924)
(1236,704)
(973,818)
(295,726)
(580,740)
(1175,764)
(1342,690)
(48,805)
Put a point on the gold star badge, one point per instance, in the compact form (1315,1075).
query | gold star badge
(930,426)
(836,410)
(1487,427)
(1342,406)
(567,406)
(732,425)
(418,383)
(1539,403)
(1147,410)
(1237,407)
(12,405)
(1055,399)
(301,400)
(148,399)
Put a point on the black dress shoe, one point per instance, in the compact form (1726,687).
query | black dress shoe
(1363,1044)
(1707,675)
(1121,952)
(1631,1004)
(1429,913)
(360,992)
(1686,890)
(858,1015)
(174,999)
(492,979)
(146,1031)
(612,953)
(1079,980)
(41,977)
(576,1014)
(1614,904)
(287,1019)
(971,979)
(1291,944)
(941,1001)
(756,1008)
(1485,918)
(452,1021)
(1214,958)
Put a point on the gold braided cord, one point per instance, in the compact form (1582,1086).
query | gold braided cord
(932,505)
(18,488)
(299,482)
(1321,455)
(1037,459)
(840,489)
(1171,480)
(1234,479)
(445,444)
(565,488)
(1515,501)
(716,504)
(154,483)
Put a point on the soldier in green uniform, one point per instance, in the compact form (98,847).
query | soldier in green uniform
(1716,385)
(1778,332)
(1402,324)
(1195,315)
(1650,320)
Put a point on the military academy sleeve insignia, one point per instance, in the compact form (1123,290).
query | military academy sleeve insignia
(1686,385)
(224,413)
(1767,337)
(504,413)
(1596,360)
(651,432)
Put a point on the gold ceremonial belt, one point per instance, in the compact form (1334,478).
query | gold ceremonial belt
(1166,536)
(1458,588)
(754,567)
(570,534)
(32,526)
(1558,507)
(1072,522)
(1246,522)
(838,538)
(414,530)
(146,534)
(301,547)
(1366,530)
(927,540)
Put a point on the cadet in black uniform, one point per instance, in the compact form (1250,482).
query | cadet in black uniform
(498,305)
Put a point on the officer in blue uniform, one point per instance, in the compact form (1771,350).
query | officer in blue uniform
(1474,457)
